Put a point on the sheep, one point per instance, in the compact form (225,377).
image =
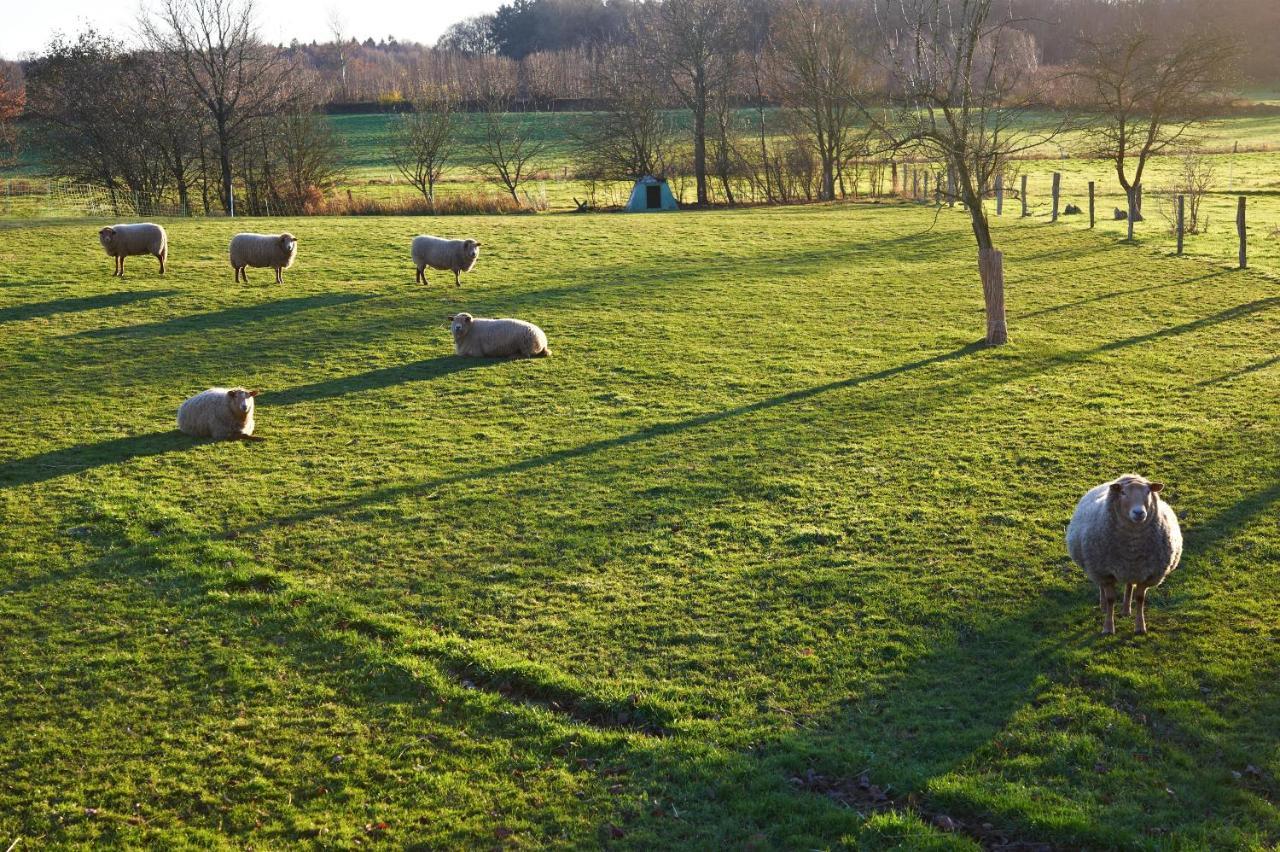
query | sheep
(1122,532)
(276,251)
(440,253)
(475,337)
(219,413)
(121,241)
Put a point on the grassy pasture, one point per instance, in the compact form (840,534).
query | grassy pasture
(766,521)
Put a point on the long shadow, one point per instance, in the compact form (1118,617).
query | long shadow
(658,430)
(1205,535)
(18,313)
(418,371)
(229,317)
(1243,371)
(82,457)
(1226,315)
(648,433)
(1115,294)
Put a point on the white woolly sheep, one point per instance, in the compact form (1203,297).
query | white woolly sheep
(274,251)
(121,241)
(1122,532)
(476,337)
(439,253)
(219,413)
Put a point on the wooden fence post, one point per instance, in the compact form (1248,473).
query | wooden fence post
(1240,229)
(1057,190)
(1091,208)
(999,194)
(1182,219)
(1024,196)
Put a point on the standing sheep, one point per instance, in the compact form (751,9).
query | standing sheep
(438,253)
(1122,532)
(219,413)
(276,251)
(121,241)
(497,338)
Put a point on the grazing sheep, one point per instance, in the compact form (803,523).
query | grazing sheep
(123,241)
(439,253)
(475,337)
(219,413)
(276,251)
(1122,532)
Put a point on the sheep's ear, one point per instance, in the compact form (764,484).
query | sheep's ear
(479,244)
(253,393)
(1116,488)
(231,394)
(106,231)
(1156,487)
(452,317)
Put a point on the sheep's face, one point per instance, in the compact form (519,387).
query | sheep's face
(459,325)
(288,242)
(471,249)
(1134,499)
(241,401)
(107,236)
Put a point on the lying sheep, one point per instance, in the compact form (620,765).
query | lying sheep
(276,251)
(219,413)
(475,337)
(439,253)
(1122,532)
(123,241)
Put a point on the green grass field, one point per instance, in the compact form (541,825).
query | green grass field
(769,554)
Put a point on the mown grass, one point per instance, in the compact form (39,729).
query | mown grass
(766,521)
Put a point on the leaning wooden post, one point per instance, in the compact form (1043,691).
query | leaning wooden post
(1182,219)
(1240,229)
(951,187)
(1091,207)
(1057,190)
(1024,196)
(999,194)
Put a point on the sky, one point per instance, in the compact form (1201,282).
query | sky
(29,30)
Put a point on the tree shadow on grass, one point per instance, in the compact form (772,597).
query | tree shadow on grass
(82,457)
(228,317)
(1115,294)
(418,371)
(1243,371)
(19,313)
(648,433)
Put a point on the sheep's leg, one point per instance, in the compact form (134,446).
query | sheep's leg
(160,258)
(243,437)
(1140,611)
(457,280)
(1128,598)
(279,277)
(1108,608)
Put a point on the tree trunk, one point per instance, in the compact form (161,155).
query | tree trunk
(224,164)
(991,268)
(1132,196)
(700,148)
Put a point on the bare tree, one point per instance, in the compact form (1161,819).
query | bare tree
(310,156)
(1150,93)
(12,100)
(422,142)
(960,95)
(694,45)
(632,136)
(819,73)
(234,76)
(509,148)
